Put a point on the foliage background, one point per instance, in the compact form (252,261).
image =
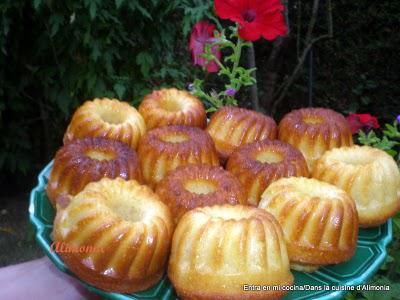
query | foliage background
(56,54)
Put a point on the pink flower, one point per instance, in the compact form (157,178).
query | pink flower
(362,121)
(256,18)
(203,34)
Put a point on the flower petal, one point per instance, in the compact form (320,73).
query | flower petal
(354,122)
(231,9)
(250,31)
(358,121)
(273,25)
(367,119)
(202,34)
(266,6)
(269,21)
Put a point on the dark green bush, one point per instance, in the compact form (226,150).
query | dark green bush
(56,54)
(359,69)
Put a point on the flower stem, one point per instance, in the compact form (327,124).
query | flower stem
(251,57)
(218,62)
(238,52)
(236,75)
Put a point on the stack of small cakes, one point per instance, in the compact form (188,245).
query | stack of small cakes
(314,131)
(100,141)
(216,205)
(231,127)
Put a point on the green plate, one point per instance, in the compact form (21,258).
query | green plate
(370,253)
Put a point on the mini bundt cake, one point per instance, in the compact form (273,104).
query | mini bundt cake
(218,250)
(89,159)
(123,233)
(109,118)
(369,175)
(172,107)
(193,186)
(319,221)
(258,164)
(314,131)
(231,127)
(163,149)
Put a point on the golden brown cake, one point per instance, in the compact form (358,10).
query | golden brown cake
(319,221)
(314,131)
(369,175)
(90,159)
(172,107)
(219,250)
(124,231)
(165,148)
(193,186)
(109,118)
(231,127)
(258,164)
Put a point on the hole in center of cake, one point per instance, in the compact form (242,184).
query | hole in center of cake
(313,120)
(100,155)
(200,187)
(175,138)
(231,213)
(113,117)
(126,210)
(172,105)
(357,160)
(268,157)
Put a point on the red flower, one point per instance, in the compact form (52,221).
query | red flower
(202,34)
(256,18)
(362,121)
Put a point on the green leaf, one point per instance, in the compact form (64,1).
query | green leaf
(143,11)
(55,21)
(93,10)
(392,131)
(392,293)
(145,61)
(120,90)
(396,222)
(91,81)
(229,58)
(366,100)
(370,139)
(358,90)
(389,259)
(371,84)
(391,152)
(36,4)
(63,102)
(353,107)
(95,51)
(211,109)
(118,3)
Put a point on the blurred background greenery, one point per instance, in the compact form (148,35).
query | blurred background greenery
(56,54)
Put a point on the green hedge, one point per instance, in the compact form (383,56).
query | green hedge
(359,69)
(55,54)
